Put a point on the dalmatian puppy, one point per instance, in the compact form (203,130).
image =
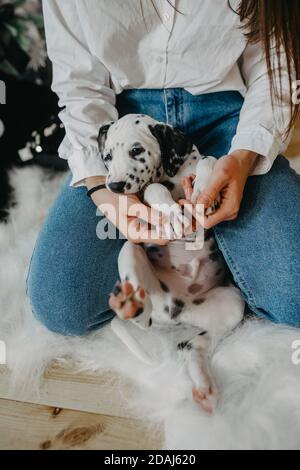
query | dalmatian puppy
(169,284)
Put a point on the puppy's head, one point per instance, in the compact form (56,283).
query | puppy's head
(137,150)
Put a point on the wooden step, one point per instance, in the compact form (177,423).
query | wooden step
(25,426)
(73,411)
(103,393)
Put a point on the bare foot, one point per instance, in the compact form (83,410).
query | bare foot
(206,399)
(126,301)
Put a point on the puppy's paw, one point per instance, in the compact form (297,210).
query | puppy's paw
(214,207)
(206,398)
(127,301)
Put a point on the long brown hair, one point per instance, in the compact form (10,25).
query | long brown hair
(275,24)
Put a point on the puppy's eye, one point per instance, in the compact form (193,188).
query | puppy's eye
(136,151)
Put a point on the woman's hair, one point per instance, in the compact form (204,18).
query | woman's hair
(276,25)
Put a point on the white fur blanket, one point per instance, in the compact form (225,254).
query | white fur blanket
(259,385)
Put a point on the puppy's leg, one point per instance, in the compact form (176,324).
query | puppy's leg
(216,313)
(159,197)
(131,298)
(195,355)
(204,172)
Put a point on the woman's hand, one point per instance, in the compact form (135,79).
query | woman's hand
(128,214)
(229,178)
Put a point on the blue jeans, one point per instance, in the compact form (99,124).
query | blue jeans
(72,272)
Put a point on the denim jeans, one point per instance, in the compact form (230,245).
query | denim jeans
(72,272)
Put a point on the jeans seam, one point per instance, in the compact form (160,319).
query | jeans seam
(234,269)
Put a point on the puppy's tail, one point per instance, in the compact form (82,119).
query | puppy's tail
(125,331)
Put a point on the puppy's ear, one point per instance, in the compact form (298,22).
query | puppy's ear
(102,135)
(174,147)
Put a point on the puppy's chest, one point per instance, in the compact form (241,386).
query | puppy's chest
(188,273)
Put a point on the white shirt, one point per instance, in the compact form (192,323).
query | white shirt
(101,47)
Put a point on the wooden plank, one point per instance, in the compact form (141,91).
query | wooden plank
(26,426)
(103,393)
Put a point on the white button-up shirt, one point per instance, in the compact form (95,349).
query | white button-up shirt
(101,47)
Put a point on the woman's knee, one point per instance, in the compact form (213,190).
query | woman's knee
(282,306)
(63,310)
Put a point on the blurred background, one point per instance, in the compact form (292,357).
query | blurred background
(30,131)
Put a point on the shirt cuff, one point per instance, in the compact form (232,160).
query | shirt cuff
(262,142)
(83,163)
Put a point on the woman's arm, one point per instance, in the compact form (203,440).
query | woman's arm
(82,83)
(262,127)
(260,137)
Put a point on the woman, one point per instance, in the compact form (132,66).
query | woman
(220,72)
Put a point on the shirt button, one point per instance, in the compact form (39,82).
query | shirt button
(159,60)
(167,17)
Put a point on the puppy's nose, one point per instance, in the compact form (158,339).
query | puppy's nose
(117,187)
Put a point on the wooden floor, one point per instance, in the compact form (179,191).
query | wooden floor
(73,411)
(76,411)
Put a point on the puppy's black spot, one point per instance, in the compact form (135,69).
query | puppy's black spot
(202,333)
(134,169)
(142,171)
(128,186)
(117,289)
(147,168)
(178,303)
(142,160)
(149,153)
(152,249)
(139,312)
(198,301)
(194,288)
(166,309)
(137,179)
(176,308)
(208,234)
(184,345)
(214,256)
(137,122)
(213,247)
(131,177)
(164,286)
(169,185)
(150,322)
(108,157)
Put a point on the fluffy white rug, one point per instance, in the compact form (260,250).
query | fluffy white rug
(258,382)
